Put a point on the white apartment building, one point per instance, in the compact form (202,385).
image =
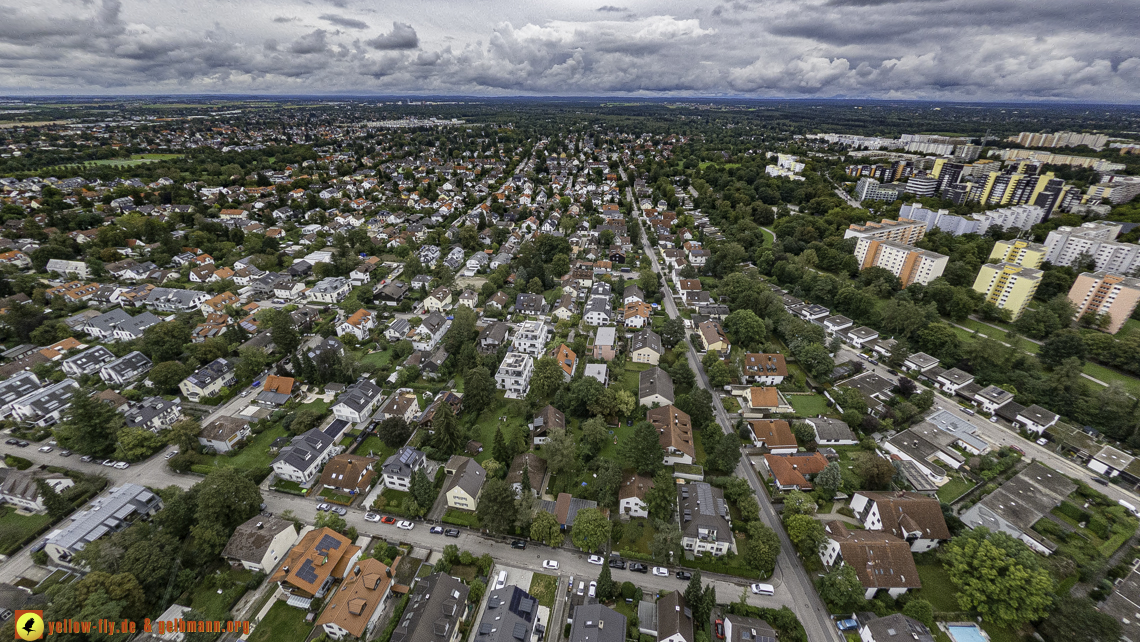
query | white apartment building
(909,263)
(514,374)
(1020,217)
(531,337)
(904,230)
(1067,244)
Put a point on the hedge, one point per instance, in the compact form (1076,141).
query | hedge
(716,566)
(459,518)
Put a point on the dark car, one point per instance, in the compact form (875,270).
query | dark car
(638,567)
(1101,481)
(519,544)
(22,444)
(684,575)
(617,562)
(451,532)
(12,442)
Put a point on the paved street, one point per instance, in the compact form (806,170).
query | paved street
(797,590)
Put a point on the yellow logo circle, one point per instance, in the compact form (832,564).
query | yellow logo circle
(29,626)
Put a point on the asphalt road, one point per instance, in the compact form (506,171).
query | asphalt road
(796,589)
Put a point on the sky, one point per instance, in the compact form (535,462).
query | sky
(980,50)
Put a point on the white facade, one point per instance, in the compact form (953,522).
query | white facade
(514,374)
(531,337)
(1067,244)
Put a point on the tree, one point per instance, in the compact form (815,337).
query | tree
(762,549)
(478,390)
(167,375)
(875,471)
(613,402)
(476,591)
(226,498)
(701,408)
(253,362)
(746,329)
(798,502)
(829,479)
(923,611)
(806,533)
(447,439)
(1063,344)
(642,450)
(136,443)
(89,426)
(594,437)
(694,592)
(842,590)
(499,448)
(591,530)
(673,332)
(56,505)
(999,577)
(723,451)
(666,543)
(165,341)
(661,498)
(394,431)
(606,588)
(1078,620)
(804,433)
(330,520)
(281,330)
(545,529)
(462,330)
(98,595)
(496,508)
(561,452)
(719,374)
(815,359)
(422,490)
(546,379)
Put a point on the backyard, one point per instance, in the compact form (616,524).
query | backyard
(282,622)
(255,454)
(953,489)
(808,405)
(544,587)
(373,447)
(15,528)
(214,605)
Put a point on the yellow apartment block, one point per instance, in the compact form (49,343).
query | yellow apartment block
(1019,252)
(1008,286)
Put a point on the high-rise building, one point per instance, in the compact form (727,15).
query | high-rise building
(902,231)
(1019,252)
(1115,189)
(1020,217)
(869,189)
(922,185)
(1060,139)
(909,263)
(1095,239)
(1008,286)
(1103,293)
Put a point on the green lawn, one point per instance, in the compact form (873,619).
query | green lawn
(937,588)
(954,489)
(336,497)
(320,405)
(286,486)
(769,237)
(484,431)
(544,587)
(214,605)
(808,405)
(1110,376)
(620,433)
(377,359)
(282,622)
(637,535)
(14,528)
(255,454)
(372,444)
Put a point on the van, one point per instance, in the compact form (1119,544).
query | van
(581,588)
(502,581)
(1129,506)
(763,589)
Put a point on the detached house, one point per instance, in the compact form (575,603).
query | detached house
(404,404)
(358,401)
(912,517)
(349,474)
(464,483)
(631,496)
(655,387)
(334,289)
(303,457)
(645,347)
(430,332)
(258,544)
(705,523)
(712,336)
(882,561)
(398,469)
(763,369)
(209,380)
(358,325)
(675,432)
(125,368)
(567,360)
(438,300)
(775,435)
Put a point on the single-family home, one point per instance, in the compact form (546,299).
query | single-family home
(358,325)
(912,517)
(631,495)
(398,469)
(430,332)
(605,343)
(712,336)
(645,347)
(209,380)
(794,471)
(567,360)
(491,337)
(303,457)
(763,369)
(260,542)
(831,432)
(527,472)
(404,404)
(322,557)
(464,483)
(20,488)
(358,401)
(349,474)
(675,433)
(223,433)
(438,300)
(546,420)
(434,611)
(881,560)
(773,434)
(333,289)
(654,388)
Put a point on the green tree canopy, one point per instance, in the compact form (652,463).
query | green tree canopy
(591,530)
(998,577)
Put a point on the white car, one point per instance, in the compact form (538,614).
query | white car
(660,571)
(405,525)
(550,565)
(593,589)
(371,517)
(46,449)
(596,559)
(122,465)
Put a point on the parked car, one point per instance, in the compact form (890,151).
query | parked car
(436,530)
(638,567)
(763,589)
(718,629)
(122,465)
(171,454)
(451,532)
(65,453)
(550,565)
(660,571)
(108,462)
(519,544)
(847,624)
(323,506)
(684,575)
(22,444)
(596,559)
(46,449)
(617,562)
(371,517)
(405,525)
(85,459)
(340,510)
(387,519)
(593,589)
(12,442)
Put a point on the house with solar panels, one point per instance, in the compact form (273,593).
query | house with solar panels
(322,557)
(510,616)
(302,459)
(399,468)
(104,516)
(705,524)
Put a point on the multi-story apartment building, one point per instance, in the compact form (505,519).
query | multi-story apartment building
(1019,252)
(1059,139)
(1021,217)
(514,374)
(1105,293)
(869,189)
(904,231)
(531,337)
(1008,286)
(909,263)
(1068,244)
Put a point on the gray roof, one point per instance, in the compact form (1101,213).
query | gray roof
(129,365)
(655,381)
(207,374)
(702,506)
(828,429)
(597,623)
(896,628)
(17,386)
(403,461)
(646,339)
(433,322)
(105,515)
(304,449)
(89,360)
(961,429)
(144,412)
(251,540)
(435,608)
(674,617)
(1038,415)
(469,476)
(922,360)
(606,336)
(995,394)
(495,333)
(1017,504)
(509,616)
(956,376)
(360,394)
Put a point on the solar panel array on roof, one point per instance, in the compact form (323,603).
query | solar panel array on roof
(407,456)
(307,572)
(335,427)
(705,499)
(327,542)
(525,606)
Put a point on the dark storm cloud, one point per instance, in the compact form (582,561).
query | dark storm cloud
(310,43)
(402,36)
(341,21)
